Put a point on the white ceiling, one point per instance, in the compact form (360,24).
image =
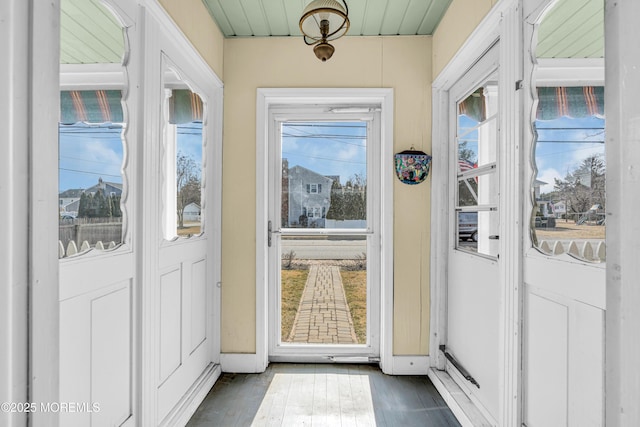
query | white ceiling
(263,18)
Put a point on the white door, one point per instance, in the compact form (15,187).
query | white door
(565,257)
(182,227)
(473,285)
(324,233)
(97,193)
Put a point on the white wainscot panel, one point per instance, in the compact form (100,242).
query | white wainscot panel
(111,358)
(546,361)
(170,323)
(198,309)
(564,361)
(96,357)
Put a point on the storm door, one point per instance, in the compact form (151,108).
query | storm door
(323,235)
(473,286)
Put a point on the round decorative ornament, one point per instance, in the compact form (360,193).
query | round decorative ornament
(412,167)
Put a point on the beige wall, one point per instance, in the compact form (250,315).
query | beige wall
(462,17)
(402,63)
(195,21)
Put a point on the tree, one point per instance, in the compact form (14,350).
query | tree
(188,184)
(350,201)
(584,187)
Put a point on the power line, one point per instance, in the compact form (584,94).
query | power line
(324,158)
(90,173)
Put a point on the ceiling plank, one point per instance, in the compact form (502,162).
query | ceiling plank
(394,17)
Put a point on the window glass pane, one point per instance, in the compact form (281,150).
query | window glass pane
(324,175)
(476,130)
(91,142)
(323,290)
(569,188)
(477,197)
(184,143)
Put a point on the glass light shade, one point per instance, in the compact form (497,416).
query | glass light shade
(319,10)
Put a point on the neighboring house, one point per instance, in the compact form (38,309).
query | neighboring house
(309,197)
(68,200)
(191,212)
(108,188)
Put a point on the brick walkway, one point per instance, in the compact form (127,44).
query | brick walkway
(323,315)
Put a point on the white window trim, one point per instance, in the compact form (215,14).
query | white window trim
(267,97)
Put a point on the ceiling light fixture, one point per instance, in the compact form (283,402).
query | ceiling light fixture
(323,21)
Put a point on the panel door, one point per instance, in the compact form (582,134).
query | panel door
(565,253)
(97,210)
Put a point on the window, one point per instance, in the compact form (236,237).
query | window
(314,188)
(183,153)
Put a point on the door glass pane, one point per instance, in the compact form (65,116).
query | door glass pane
(477,218)
(323,290)
(92,126)
(184,145)
(324,175)
(568,214)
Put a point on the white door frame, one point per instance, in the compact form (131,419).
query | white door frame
(333,96)
(314,353)
(502,23)
(623,204)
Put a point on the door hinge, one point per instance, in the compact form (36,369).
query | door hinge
(269,233)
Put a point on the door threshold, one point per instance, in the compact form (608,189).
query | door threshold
(361,360)
(463,408)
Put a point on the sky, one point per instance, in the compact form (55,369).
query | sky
(562,145)
(328,148)
(88,152)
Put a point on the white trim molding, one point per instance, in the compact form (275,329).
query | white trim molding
(383,97)
(410,365)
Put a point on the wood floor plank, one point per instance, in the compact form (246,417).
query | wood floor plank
(321,395)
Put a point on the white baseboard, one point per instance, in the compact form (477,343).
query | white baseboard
(463,408)
(188,405)
(409,365)
(242,363)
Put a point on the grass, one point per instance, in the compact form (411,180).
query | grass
(188,230)
(355,289)
(293,282)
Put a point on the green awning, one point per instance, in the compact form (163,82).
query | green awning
(576,102)
(184,107)
(91,106)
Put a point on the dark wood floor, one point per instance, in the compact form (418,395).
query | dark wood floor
(323,395)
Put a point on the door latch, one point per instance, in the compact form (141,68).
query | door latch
(494,237)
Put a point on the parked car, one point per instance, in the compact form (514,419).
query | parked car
(468,226)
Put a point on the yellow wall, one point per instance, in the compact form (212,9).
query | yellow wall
(462,17)
(196,23)
(402,63)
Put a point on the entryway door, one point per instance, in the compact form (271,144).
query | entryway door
(473,286)
(324,233)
